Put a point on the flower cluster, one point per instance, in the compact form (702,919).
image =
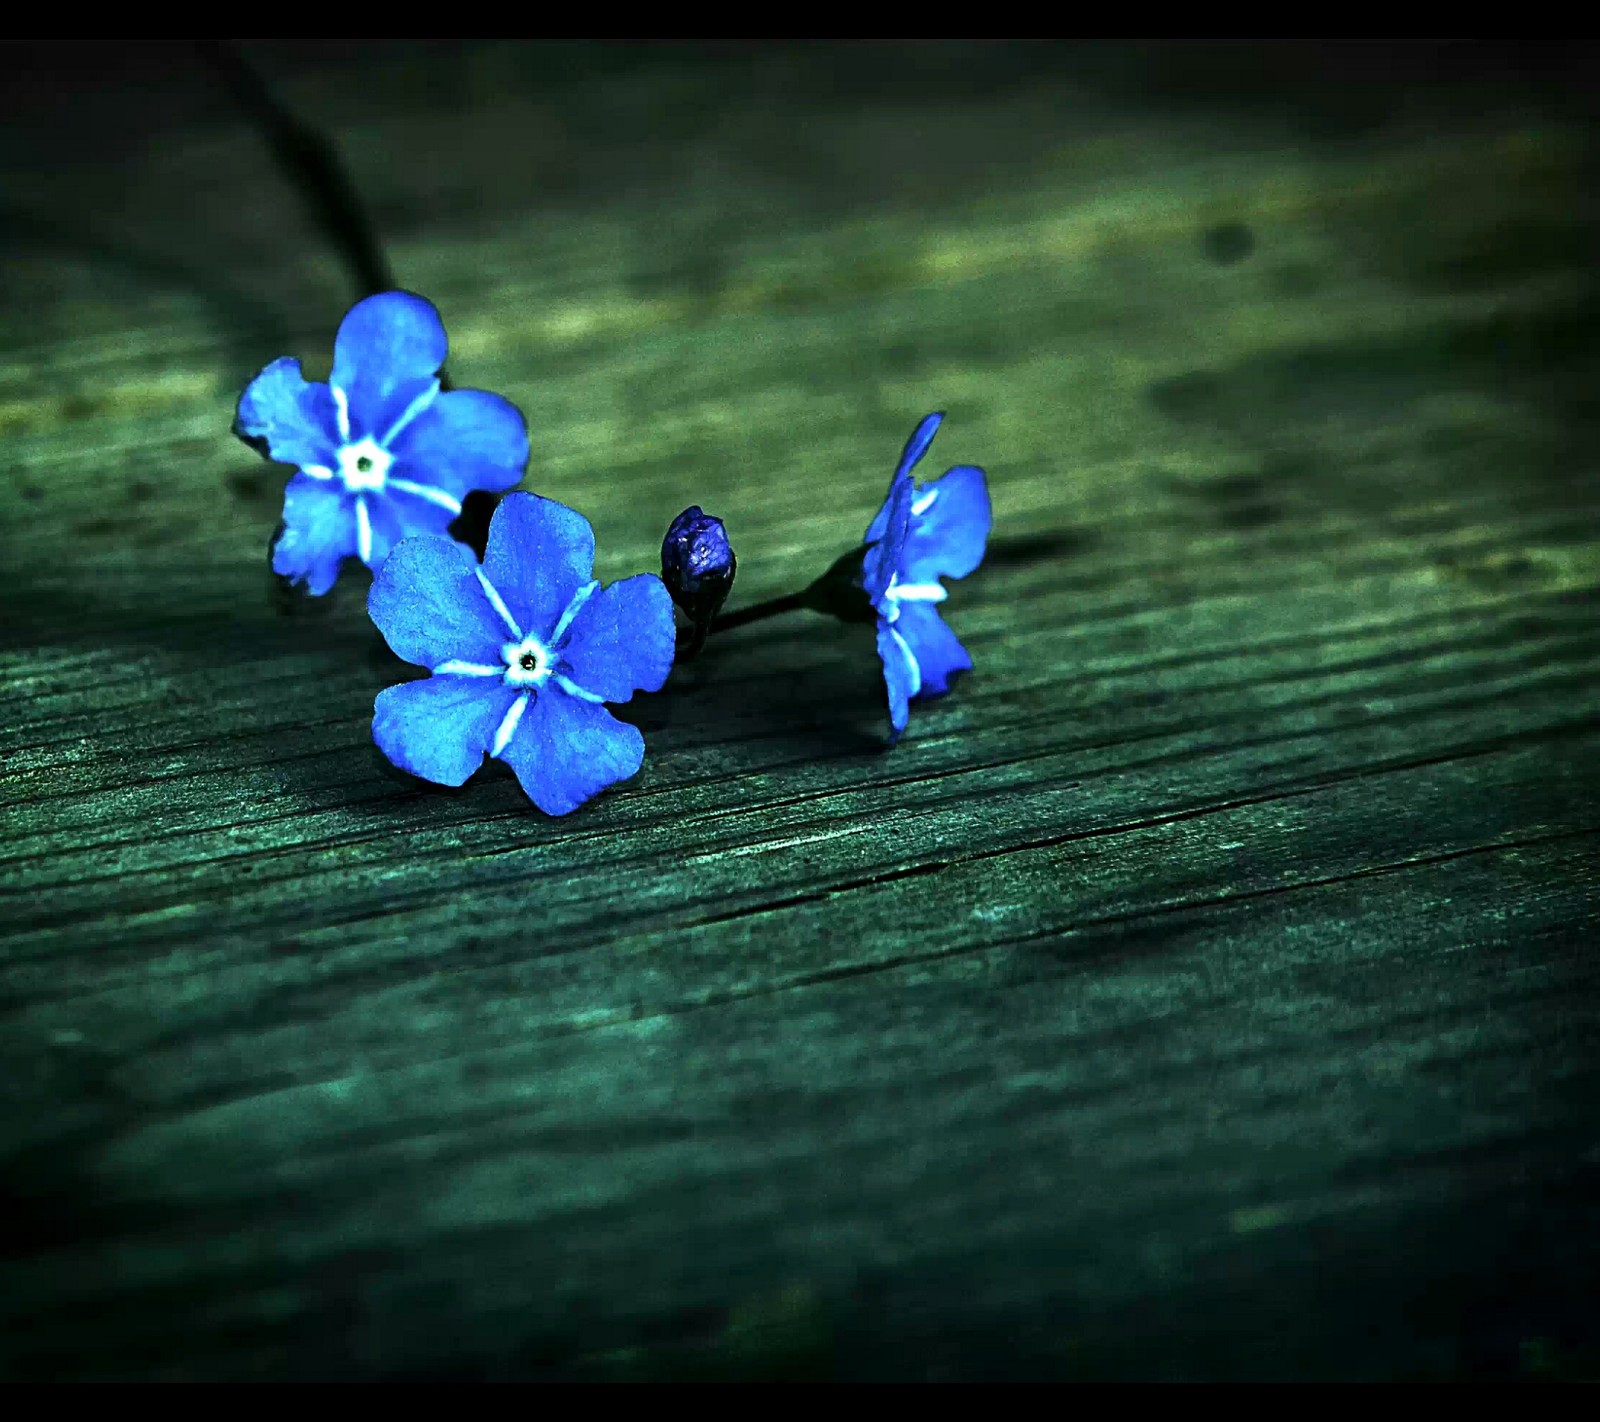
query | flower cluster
(525,650)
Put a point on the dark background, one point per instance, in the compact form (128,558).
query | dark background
(1204,989)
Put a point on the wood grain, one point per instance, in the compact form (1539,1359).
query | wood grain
(1205,988)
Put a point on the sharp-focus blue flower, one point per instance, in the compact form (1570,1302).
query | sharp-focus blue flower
(921,534)
(524,649)
(382,452)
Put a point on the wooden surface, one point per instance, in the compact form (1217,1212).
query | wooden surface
(1206,988)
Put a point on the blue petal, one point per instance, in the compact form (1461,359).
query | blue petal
(431,608)
(938,652)
(622,639)
(465,440)
(395,516)
(917,445)
(540,553)
(899,675)
(387,353)
(946,540)
(888,537)
(566,750)
(296,418)
(319,531)
(440,727)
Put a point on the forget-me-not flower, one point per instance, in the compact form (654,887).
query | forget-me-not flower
(382,451)
(525,651)
(921,534)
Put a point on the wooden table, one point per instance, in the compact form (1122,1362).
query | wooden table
(1206,988)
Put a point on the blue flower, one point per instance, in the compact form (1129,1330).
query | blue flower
(382,452)
(525,651)
(921,534)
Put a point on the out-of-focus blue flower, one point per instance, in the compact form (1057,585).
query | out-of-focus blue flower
(525,651)
(382,452)
(923,532)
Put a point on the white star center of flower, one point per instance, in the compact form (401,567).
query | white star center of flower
(528,662)
(364,465)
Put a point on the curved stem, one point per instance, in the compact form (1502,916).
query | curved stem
(311,162)
(691,640)
(756,612)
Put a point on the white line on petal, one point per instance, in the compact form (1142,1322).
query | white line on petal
(316,471)
(341,404)
(411,411)
(425,491)
(568,685)
(574,607)
(363,530)
(918,592)
(923,502)
(467,669)
(498,603)
(508,725)
(911,661)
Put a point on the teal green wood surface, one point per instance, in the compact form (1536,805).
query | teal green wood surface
(1205,988)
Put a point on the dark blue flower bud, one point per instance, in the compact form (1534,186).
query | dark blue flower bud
(697,565)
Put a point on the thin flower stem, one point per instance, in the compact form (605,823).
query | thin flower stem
(691,641)
(311,162)
(757,612)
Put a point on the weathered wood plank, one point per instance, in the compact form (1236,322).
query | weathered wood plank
(1205,988)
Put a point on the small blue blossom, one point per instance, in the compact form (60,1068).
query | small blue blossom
(525,651)
(382,451)
(922,533)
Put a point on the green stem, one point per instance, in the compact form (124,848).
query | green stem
(758,611)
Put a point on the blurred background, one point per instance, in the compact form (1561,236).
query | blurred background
(706,263)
